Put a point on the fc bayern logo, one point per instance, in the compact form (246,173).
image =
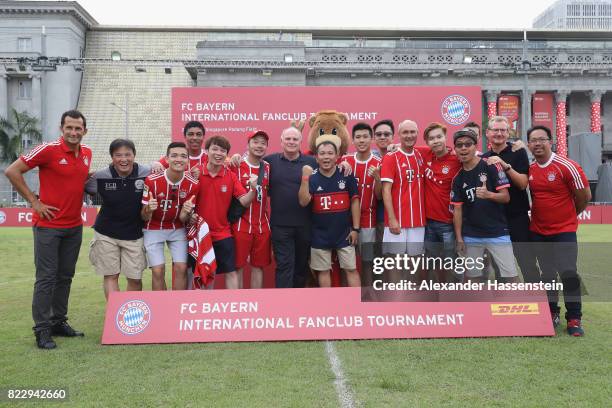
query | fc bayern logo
(2,217)
(456,109)
(133,317)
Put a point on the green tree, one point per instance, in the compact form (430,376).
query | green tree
(13,133)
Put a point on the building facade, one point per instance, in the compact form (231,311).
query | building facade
(121,77)
(576,15)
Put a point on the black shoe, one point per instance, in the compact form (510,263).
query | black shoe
(63,329)
(44,340)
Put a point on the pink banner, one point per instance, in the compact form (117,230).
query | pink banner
(593,214)
(310,314)
(232,112)
(22,217)
(543,110)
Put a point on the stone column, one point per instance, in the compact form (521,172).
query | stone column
(3,95)
(596,110)
(491,103)
(561,125)
(36,96)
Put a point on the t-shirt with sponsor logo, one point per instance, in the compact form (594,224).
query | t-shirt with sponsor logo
(331,209)
(439,175)
(406,172)
(62,175)
(170,199)
(552,186)
(255,217)
(365,184)
(481,218)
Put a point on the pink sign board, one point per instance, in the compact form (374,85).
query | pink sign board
(310,314)
(22,217)
(234,112)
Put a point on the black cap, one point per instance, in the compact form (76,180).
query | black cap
(465,132)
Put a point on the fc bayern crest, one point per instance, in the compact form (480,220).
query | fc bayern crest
(133,317)
(341,184)
(551,176)
(456,109)
(445,170)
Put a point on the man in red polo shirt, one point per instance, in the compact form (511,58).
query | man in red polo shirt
(218,184)
(252,231)
(58,227)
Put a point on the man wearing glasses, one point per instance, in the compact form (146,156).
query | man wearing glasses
(478,195)
(559,191)
(383,137)
(252,231)
(516,166)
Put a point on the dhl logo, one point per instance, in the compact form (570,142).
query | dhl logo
(507,309)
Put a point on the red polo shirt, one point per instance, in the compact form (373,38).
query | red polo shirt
(62,176)
(214,199)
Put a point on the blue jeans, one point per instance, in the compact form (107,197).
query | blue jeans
(439,239)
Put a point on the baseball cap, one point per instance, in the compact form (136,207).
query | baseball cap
(258,133)
(465,132)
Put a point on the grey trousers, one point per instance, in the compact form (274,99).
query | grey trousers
(56,251)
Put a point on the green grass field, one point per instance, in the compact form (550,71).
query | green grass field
(497,372)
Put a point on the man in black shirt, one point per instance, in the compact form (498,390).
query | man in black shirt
(516,166)
(478,194)
(117,246)
(290,223)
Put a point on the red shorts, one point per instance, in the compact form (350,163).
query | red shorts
(257,246)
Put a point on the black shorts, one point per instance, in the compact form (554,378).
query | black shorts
(225,255)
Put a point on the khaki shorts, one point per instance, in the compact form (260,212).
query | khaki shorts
(110,256)
(321,259)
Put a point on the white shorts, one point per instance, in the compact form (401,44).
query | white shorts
(410,241)
(500,249)
(367,240)
(154,245)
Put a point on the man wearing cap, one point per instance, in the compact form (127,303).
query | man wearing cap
(478,195)
(57,224)
(252,231)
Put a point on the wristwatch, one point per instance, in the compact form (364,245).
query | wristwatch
(357,230)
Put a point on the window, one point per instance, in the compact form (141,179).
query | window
(25,89)
(24,44)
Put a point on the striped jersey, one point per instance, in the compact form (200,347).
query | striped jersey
(406,173)
(170,198)
(255,218)
(365,185)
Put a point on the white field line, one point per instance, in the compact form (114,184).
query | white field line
(345,395)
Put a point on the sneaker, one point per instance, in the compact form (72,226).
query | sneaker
(556,319)
(44,340)
(574,328)
(63,329)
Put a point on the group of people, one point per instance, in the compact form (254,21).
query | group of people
(441,199)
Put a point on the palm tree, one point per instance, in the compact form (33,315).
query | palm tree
(16,133)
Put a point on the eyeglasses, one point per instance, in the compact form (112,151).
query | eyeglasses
(539,140)
(462,145)
(383,134)
(498,130)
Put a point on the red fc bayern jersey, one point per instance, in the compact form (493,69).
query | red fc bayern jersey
(365,185)
(255,218)
(62,176)
(170,198)
(552,187)
(406,172)
(439,174)
(199,160)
